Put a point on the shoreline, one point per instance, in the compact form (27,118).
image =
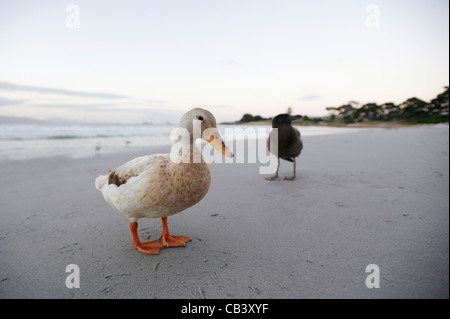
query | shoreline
(81,147)
(349,125)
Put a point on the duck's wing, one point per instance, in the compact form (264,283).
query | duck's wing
(125,186)
(300,138)
(122,174)
(300,142)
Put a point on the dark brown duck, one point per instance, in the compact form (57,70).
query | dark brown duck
(290,144)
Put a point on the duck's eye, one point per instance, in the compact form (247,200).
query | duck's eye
(200,118)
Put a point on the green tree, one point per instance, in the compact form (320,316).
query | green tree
(347,112)
(250,118)
(247,118)
(390,111)
(370,112)
(414,108)
(440,105)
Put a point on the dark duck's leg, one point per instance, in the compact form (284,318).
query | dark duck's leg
(274,178)
(151,247)
(293,177)
(170,240)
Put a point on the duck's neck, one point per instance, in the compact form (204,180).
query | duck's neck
(184,150)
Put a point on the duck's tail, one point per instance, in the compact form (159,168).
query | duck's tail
(101,181)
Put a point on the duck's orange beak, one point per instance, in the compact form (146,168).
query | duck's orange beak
(212,136)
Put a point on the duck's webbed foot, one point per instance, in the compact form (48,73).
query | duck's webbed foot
(275,178)
(293,177)
(171,240)
(174,241)
(150,247)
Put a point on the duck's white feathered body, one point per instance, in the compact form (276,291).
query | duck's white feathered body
(153,186)
(160,185)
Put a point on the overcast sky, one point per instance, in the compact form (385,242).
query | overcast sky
(134,61)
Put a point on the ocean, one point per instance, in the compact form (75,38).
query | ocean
(28,141)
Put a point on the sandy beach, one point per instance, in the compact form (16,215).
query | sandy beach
(376,197)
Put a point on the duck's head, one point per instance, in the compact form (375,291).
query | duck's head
(284,119)
(201,122)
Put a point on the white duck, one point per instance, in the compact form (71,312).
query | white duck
(160,185)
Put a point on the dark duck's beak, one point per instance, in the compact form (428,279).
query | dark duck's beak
(296,117)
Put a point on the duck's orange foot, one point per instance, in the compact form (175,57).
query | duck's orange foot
(150,247)
(170,240)
(174,241)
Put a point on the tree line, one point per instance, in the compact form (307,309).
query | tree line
(413,110)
